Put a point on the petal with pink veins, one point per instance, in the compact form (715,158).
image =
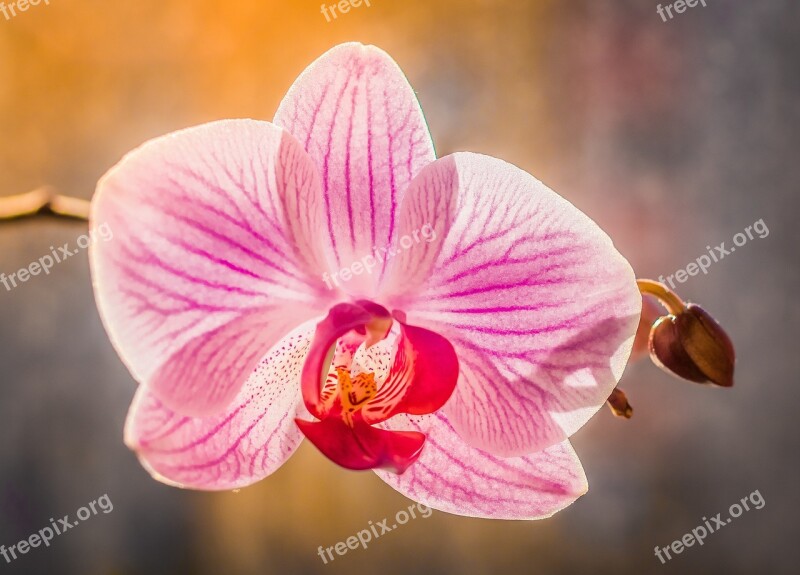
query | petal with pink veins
(250,440)
(213,258)
(359,119)
(539,305)
(455,478)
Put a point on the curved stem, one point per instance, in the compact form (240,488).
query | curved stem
(668,298)
(43,201)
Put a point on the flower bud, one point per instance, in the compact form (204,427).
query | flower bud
(693,346)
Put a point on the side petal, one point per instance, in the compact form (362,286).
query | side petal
(359,119)
(213,257)
(455,478)
(247,442)
(539,305)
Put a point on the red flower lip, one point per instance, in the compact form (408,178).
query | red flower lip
(421,379)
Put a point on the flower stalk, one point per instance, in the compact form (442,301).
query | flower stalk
(43,201)
(668,298)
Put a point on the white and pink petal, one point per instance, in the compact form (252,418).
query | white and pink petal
(213,257)
(540,306)
(248,441)
(359,119)
(453,477)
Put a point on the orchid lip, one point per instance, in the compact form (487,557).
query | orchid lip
(407,369)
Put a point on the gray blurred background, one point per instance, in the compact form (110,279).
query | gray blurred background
(673,136)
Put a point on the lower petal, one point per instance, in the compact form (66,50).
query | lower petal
(455,478)
(248,441)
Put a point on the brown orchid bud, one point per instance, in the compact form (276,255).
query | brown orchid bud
(693,346)
(618,402)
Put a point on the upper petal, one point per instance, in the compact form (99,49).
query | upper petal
(538,303)
(360,121)
(213,257)
(453,477)
(245,443)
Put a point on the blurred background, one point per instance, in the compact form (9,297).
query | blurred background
(671,135)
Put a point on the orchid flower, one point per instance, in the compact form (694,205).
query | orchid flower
(456,366)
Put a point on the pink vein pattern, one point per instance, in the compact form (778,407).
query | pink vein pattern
(538,303)
(245,443)
(212,257)
(453,477)
(360,121)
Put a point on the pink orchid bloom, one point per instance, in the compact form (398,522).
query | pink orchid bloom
(457,369)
